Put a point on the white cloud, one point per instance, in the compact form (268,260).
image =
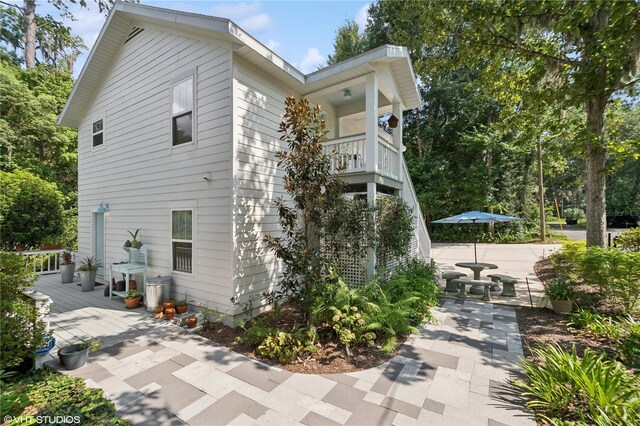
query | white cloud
(311,61)
(361,16)
(256,23)
(273,45)
(248,15)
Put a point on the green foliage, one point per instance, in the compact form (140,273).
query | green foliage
(30,210)
(624,331)
(573,214)
(348,43)
(46,393)
(89,264)
(22,329)
(590,389)
(349,230)
(132,294)
(312,190)
(394,228)
(559,289)
(629,240)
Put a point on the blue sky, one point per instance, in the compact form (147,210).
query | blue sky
(302,32)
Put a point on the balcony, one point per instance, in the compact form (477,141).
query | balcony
(349,154)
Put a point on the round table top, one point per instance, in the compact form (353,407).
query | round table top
(476,265)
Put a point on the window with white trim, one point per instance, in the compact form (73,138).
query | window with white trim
(182,112)
(182,240)
(98,133)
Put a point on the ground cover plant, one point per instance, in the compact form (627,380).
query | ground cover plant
(585,367)
(46,393)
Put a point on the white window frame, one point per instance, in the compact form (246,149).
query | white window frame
(96,133)
(192,241)
(172,115)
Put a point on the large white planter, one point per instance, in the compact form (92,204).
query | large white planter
(88,280)
(66,272)
(562,306)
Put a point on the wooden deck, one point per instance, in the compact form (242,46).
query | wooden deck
(76,316)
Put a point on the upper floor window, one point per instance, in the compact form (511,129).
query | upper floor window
(182,112)
(98,133)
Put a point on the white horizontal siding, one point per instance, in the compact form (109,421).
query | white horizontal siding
(258,111)
(143,178)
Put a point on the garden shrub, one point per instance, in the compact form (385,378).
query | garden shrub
(629,240)
(31,210)
(394,228)
(573,215)
(589,389)
(566,260)
(45,393)
(22,328)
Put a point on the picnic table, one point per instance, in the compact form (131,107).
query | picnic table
(476,267)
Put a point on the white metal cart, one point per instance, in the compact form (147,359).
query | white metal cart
(137,264)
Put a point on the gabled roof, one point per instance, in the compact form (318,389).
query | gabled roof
(124,15)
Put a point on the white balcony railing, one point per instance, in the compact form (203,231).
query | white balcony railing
(349,154)
(43,262)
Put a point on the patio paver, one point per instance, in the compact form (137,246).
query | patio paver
(453,372)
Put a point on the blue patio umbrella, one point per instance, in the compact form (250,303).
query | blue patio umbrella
(477,217)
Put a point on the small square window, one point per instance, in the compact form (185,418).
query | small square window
(98,133)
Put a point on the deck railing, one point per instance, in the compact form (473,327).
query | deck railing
(349,154)
(43,262)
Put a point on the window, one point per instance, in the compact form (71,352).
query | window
(98,132)
(181,240)
(182,112)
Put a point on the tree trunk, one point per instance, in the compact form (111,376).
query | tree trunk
(543,225)
(30,34)
(596,173)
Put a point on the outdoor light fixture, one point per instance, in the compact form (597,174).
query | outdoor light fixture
(393,121)
(347,94)
(103,207)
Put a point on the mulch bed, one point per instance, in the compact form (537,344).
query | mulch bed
(543,326)
(330,358)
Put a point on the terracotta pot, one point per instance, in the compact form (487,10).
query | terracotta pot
(191,322)
(133,285)
(158,309)
(169,313)
(562,306)
(182,309)
(50,246)
(132,303)
(169,304)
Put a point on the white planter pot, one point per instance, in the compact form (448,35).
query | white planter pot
(562,306)
(66,272)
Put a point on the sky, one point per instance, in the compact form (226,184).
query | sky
(302,32)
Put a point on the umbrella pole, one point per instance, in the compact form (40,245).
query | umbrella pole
(475,243)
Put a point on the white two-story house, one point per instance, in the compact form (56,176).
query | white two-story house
(177,117)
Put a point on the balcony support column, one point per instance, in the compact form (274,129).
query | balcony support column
(397,138)
(371,123)
(371,252)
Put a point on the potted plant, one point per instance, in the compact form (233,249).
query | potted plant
(181,306)
(169,313)
(192,321)
(560,293)
(572,216)
(169,304)
(67,267)
(88,270)
(158,312)
(132,299)
(76,355)
(134,242)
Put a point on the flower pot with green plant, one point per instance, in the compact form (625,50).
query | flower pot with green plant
(132,299)
(67,267)
(182,306)
(572,216)
(76,355)
(560,293)
(88,271)
(134,241)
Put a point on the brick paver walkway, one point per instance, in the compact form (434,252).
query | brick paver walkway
(451,373)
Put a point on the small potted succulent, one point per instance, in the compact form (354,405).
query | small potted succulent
(134,242)
(67,267)
(132,299)
(560,293)
(76,355)
(88,271)
(181,306)
(192,321)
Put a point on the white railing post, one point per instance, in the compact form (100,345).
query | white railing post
(397,140)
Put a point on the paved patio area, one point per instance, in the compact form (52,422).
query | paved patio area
(451,373)
(516,260)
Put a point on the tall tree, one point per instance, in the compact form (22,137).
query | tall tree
(568,52)
(348,43)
